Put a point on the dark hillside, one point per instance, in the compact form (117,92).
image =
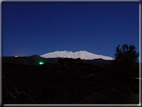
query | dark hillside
(35,59)
(18,60)
(98,61)
(32,60)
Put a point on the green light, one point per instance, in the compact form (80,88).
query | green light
(41,63)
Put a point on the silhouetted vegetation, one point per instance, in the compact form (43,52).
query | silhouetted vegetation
(67,81)
(125,63)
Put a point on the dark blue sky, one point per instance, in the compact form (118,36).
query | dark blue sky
(39,28)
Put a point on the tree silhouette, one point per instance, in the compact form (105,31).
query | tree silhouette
(126,54)
(125,62)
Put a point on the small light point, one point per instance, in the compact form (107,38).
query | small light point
(41,63)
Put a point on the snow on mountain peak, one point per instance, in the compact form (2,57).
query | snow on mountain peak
(79,54)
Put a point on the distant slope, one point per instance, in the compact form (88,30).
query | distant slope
(35,59)
(18,60)
(98,61)
(32,60)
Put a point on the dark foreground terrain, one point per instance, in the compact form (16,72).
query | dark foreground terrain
(64,81)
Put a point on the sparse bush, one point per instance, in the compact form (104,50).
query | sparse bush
(90,76)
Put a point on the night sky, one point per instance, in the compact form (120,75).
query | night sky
(39,28)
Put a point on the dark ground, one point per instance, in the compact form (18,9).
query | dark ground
(66,81)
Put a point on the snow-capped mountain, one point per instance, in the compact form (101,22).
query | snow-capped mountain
(79,54)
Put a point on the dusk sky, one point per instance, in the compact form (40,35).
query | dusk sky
(39,28)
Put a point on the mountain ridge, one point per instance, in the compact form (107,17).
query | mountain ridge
(78,54)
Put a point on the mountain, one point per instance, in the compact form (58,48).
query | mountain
(79,54)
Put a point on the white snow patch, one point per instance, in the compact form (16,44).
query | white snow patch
(79,54)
